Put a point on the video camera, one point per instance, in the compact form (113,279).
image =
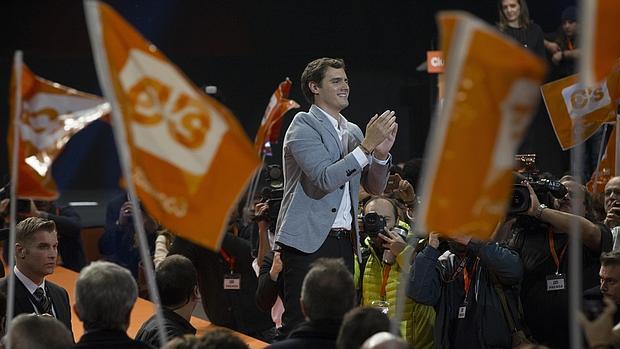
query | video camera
(273,193)
(545,189)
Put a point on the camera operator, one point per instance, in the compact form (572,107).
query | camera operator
(540,235)
(385,239)
(462,284)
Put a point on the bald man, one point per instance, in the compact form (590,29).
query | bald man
(612,202)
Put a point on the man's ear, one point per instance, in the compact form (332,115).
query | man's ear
(20,250)
(196,294)
(314,87)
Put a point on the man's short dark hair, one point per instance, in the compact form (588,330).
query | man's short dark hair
(176,280)
(188,341)
(31,331)
(328,290)
(221,338)
(359,324)
(315,71)
(25,230)
(610,258)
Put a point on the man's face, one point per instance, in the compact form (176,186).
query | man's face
(569,28)
(564,204)
(383,208)
(37,257)
(612,193)
(333,91)
(610,282)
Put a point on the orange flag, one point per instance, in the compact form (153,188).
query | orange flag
(271,124)
(606,167)
(577,112)
(190,158)
(49,114)
(488,106)
(598,40)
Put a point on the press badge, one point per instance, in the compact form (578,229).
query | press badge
(232,282)
(462,311)
(556,282)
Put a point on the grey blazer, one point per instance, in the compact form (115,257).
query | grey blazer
(314,178)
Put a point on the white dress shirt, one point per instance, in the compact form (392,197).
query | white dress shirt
(343,216)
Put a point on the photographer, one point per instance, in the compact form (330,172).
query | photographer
(462,284)
(540,235)
(385,239)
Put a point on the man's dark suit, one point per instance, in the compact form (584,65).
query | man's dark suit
(59,296)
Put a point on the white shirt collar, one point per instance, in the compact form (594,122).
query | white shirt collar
(334,122)
(30,285)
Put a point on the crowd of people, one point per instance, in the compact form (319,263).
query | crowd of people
(331,258)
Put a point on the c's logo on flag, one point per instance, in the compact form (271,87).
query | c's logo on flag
(169,118)
(582,101)
(41,124)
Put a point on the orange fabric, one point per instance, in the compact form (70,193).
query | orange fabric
(191,159)
(49,115)
(576,112)
(599,22)
(606,168)
(141,312)
(271,124)
(489,103)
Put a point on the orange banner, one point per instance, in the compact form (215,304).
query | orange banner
(49,114)
(606,167)
(577,112)
(190,158)
(599,45)
(434,62)
(271,124)
(489,104)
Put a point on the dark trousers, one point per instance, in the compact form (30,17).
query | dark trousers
(296,265)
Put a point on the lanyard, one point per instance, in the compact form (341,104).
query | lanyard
(557,260)
(230,260)
(467,278)
(570,45)
(386,274)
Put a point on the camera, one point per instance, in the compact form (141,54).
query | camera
(273,198)
(374,224)
(544,189)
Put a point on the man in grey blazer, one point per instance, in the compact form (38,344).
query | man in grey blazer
(325,158)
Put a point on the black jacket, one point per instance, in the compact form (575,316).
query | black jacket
(427,286)
(59,296)
(174,324)
(235,309)
(109,339)
(311,335)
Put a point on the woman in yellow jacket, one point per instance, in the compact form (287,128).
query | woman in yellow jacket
(381,274)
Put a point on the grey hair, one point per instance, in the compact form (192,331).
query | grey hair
(328,290)
(31,331)
(104,295)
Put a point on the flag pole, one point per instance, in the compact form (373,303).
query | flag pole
(10,304)
(601,152)
(91,9)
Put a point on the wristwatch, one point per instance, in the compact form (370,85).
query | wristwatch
(539,210)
